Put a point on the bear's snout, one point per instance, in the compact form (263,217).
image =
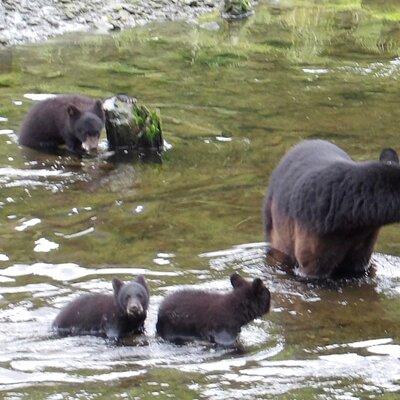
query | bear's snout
(134,308)
(91,143)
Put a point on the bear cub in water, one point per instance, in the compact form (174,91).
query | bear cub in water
(216,317)
(74,120)
(114,316)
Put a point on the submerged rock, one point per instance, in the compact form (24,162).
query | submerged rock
(132,129)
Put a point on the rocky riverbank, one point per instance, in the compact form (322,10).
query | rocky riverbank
(36,20)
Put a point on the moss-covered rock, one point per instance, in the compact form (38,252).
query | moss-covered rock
(236,9)
(131,127)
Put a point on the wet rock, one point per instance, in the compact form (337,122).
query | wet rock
(237,9)
(132,129)
(3,39)
(210,26)
(129,8)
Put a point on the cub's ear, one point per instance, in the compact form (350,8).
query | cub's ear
(98,109)
(117,285)
(237,280)
(389,156)
(141,280)
(73,111)
(258,285)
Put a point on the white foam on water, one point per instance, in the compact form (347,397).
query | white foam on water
(165,255)
(367,343)
(392,350)
(39,96)
(27,224)
(161,261)
(5,279)
(223,139)
(77,234)
(4,257)
(14,172)
(71,271)
(139,209)
(316,71)
(44,245)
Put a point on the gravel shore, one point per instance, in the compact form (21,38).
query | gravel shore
(24,21)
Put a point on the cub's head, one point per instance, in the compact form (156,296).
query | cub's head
(132,298)
(256,294)
(389,156)
(87,125)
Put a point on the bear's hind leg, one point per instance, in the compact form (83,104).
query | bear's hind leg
(357,259)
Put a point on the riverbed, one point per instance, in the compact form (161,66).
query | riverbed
(233,99)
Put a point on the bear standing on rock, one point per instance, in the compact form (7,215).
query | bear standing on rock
(73,120)
(113,316)
(216,317)
(324,210)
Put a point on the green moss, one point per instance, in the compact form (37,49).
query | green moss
(147,126)
(9,80)
(237,7)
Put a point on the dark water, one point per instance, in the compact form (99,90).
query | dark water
(233,100)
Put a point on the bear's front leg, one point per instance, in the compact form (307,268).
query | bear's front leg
(317,257)
(74,145)
(224,337)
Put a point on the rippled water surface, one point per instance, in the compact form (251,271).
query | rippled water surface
(233,99)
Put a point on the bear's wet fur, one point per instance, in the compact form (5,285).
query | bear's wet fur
(114,316)
(73,120)
(324,210)
(216,317)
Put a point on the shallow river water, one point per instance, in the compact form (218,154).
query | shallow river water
(233,99)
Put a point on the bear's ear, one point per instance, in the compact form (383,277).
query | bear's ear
(73,111)
(117,285)
(237,280)
(389,156)
(142,281)
(98,108)
(257,285)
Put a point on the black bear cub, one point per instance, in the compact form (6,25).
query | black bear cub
(114,316)
(73,120)
(216,317)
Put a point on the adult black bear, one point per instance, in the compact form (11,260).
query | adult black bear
(324,210)
(113,316)
(73,120)
(216,317)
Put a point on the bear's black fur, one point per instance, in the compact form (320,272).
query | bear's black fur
(319,193)
(114,316)
(389,156)
(216,317)
(73,120)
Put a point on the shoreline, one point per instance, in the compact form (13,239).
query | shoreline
(32,21)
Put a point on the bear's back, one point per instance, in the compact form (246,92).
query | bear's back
(87,313)
(191,302)
(304,178)
(305,159)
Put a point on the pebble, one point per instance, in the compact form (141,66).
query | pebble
(20,19)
